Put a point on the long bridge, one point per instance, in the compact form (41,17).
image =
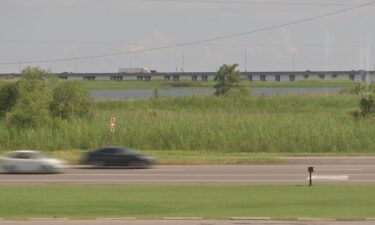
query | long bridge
(272,76)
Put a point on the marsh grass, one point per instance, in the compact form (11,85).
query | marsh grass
(285,124)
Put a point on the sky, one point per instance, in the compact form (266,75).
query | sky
(159,35)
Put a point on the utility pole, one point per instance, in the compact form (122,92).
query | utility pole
(130,63)
(183,60)
(19,64)
(245,60)
(75,65)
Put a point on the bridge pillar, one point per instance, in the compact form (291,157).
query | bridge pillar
(90,78)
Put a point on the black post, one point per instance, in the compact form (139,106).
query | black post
(310,170)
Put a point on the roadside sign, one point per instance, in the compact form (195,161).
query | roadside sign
(112,127)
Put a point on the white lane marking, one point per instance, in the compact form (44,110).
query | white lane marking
(339,169)
(329,177)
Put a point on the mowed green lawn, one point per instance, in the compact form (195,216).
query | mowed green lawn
(208,201)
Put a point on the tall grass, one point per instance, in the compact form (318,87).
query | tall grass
(288,123)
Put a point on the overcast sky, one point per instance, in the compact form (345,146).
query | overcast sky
(34,30)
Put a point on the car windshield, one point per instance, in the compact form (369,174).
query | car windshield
(25,155)
(126,151)
(37,155)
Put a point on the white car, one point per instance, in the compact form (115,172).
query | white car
(27,161)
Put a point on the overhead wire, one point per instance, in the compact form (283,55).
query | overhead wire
(268,3)
(196,42)
(119,43)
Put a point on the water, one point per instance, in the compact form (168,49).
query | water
(295,90)
(147,93)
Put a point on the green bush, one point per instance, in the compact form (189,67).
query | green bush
(31,107)
(8,97)
(228,81)
(70,100)
(367,107)
(30,103)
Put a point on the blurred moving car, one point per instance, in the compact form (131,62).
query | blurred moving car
(28,161)
(117,156)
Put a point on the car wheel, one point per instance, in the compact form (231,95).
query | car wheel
(137,164)
(141,164)
(97,163)
(132,164)
(46,169)
(10,168)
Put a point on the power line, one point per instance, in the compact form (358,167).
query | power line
(199,41)
(253,3)
(312,45)
(67,42)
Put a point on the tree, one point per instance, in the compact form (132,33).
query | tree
(367,107)
(31,107)
(8,97)
(227,79)
(69,100)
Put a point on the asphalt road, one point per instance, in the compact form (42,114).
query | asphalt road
(186,222)
(213,174)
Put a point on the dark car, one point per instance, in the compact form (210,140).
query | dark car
(117,156)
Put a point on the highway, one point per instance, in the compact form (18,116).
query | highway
(204,174)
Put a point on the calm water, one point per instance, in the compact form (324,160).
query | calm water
(147,93)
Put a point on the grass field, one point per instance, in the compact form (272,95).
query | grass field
(207,125)
(210,201)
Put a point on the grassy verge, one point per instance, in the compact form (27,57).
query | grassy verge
(210,201)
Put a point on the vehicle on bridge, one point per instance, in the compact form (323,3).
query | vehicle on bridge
(28,161)
(117,156)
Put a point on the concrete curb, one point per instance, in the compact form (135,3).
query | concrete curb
(249,218)
(117,218)
(183,218)
(52,218)
(315,219)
